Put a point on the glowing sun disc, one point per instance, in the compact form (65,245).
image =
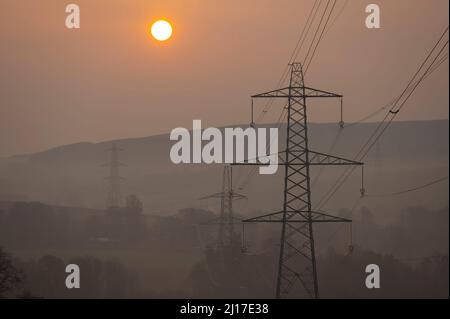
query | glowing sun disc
(161,30)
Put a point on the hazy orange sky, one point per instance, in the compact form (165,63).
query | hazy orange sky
(109,80)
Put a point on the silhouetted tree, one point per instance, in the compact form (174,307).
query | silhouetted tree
(133,205)
(10,276)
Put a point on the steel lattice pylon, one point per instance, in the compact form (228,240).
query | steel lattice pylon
(114,179)
(226,236)
(297,260)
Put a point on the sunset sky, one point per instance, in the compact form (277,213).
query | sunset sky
(111,80)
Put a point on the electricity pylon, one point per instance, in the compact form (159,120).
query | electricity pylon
(297,259)
(114,179)
(226,236)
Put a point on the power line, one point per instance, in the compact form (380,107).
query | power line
(317,31)
(384,107)
(390,104)
(321,35)
(309,23)
(414,189)
(254,169)
(337,16)
(341,180)
(407,88)
(332,147)
(393,112)
(297,49)
(307,68)
(347,173)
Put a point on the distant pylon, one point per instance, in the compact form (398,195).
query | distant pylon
(297,259)
(114,196)
(226,236)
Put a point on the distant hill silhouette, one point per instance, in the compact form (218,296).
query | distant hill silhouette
(409,154)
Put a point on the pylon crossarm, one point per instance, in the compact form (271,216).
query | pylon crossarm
(322,217)
(217,195)
(297,92)
(310,92)
(280,93)
(221,195)
(297,217)
(317,158)
(274,217)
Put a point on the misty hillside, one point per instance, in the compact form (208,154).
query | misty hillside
(169,250)
(410,154)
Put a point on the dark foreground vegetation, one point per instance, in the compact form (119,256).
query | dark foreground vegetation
(123,253)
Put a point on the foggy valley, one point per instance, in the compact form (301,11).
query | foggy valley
(161,242)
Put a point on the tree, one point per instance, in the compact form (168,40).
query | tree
(133,205)
(10,277)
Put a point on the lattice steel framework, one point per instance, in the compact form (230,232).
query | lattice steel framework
(226,236)
(297,259)
(114,179)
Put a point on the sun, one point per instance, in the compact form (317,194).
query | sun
(161,30)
